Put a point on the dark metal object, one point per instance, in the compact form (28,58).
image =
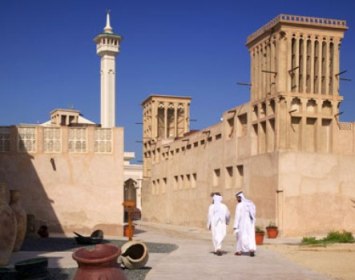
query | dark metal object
(95,238)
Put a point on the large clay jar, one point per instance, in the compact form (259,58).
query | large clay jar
(21,218)
(98,263)
(134,254)
(8,227)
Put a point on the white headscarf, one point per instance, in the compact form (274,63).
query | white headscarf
(218,211)
(249,205)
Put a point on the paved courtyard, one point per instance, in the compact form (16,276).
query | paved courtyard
(184,253)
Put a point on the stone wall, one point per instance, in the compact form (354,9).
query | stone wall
(76,184)
(317,193)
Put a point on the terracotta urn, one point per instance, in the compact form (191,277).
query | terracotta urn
(8,227)
(21,218)
(99,262)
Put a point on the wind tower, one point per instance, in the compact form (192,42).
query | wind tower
(295,76)
(107,47)
(165,118)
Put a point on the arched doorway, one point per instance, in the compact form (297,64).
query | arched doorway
(130,193)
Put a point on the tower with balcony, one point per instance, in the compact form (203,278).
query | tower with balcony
(107,47)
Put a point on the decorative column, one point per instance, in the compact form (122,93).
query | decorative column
(304,65)
(281,66)
(296,66)
(260,80)
(263,74)
(165,108)
(272,66)
(252,74)
(175,120)
(155,116)
(268,67)
(288,63)
(186,118)
(326,74)
(319,67)
(311,77)
(336,68)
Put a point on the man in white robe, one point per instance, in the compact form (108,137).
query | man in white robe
(244,225)
(218,219)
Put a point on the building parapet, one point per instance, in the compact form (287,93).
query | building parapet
(346,126)
(303,20)
(39,139)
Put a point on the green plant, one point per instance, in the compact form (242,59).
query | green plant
(272,225)
(259,229)
(310,241)
(340,237)
(332,237)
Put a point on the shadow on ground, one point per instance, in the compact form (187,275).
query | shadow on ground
(69,244)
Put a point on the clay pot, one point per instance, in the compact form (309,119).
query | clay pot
(272,232)
(8,227)
(21,218)
(134,254)
(259,237)
(99,262)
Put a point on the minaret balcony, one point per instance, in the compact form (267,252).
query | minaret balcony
(107,48)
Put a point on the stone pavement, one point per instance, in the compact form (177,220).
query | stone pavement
(194,258)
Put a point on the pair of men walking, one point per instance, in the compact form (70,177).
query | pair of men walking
(244,224)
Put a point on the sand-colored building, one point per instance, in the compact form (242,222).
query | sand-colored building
(285,148)
(69,170)
(70,177)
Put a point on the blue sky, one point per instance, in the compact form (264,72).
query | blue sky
(189,48)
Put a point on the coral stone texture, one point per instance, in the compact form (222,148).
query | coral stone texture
(286,148)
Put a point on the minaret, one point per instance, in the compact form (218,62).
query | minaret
(107,47)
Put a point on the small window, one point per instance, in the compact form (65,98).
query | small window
(153,187)
(193,180)
(230,128)
(229,177)
(240,175)
(176,182)
(188,181)
(182,182)
(216,177)
(164,184)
